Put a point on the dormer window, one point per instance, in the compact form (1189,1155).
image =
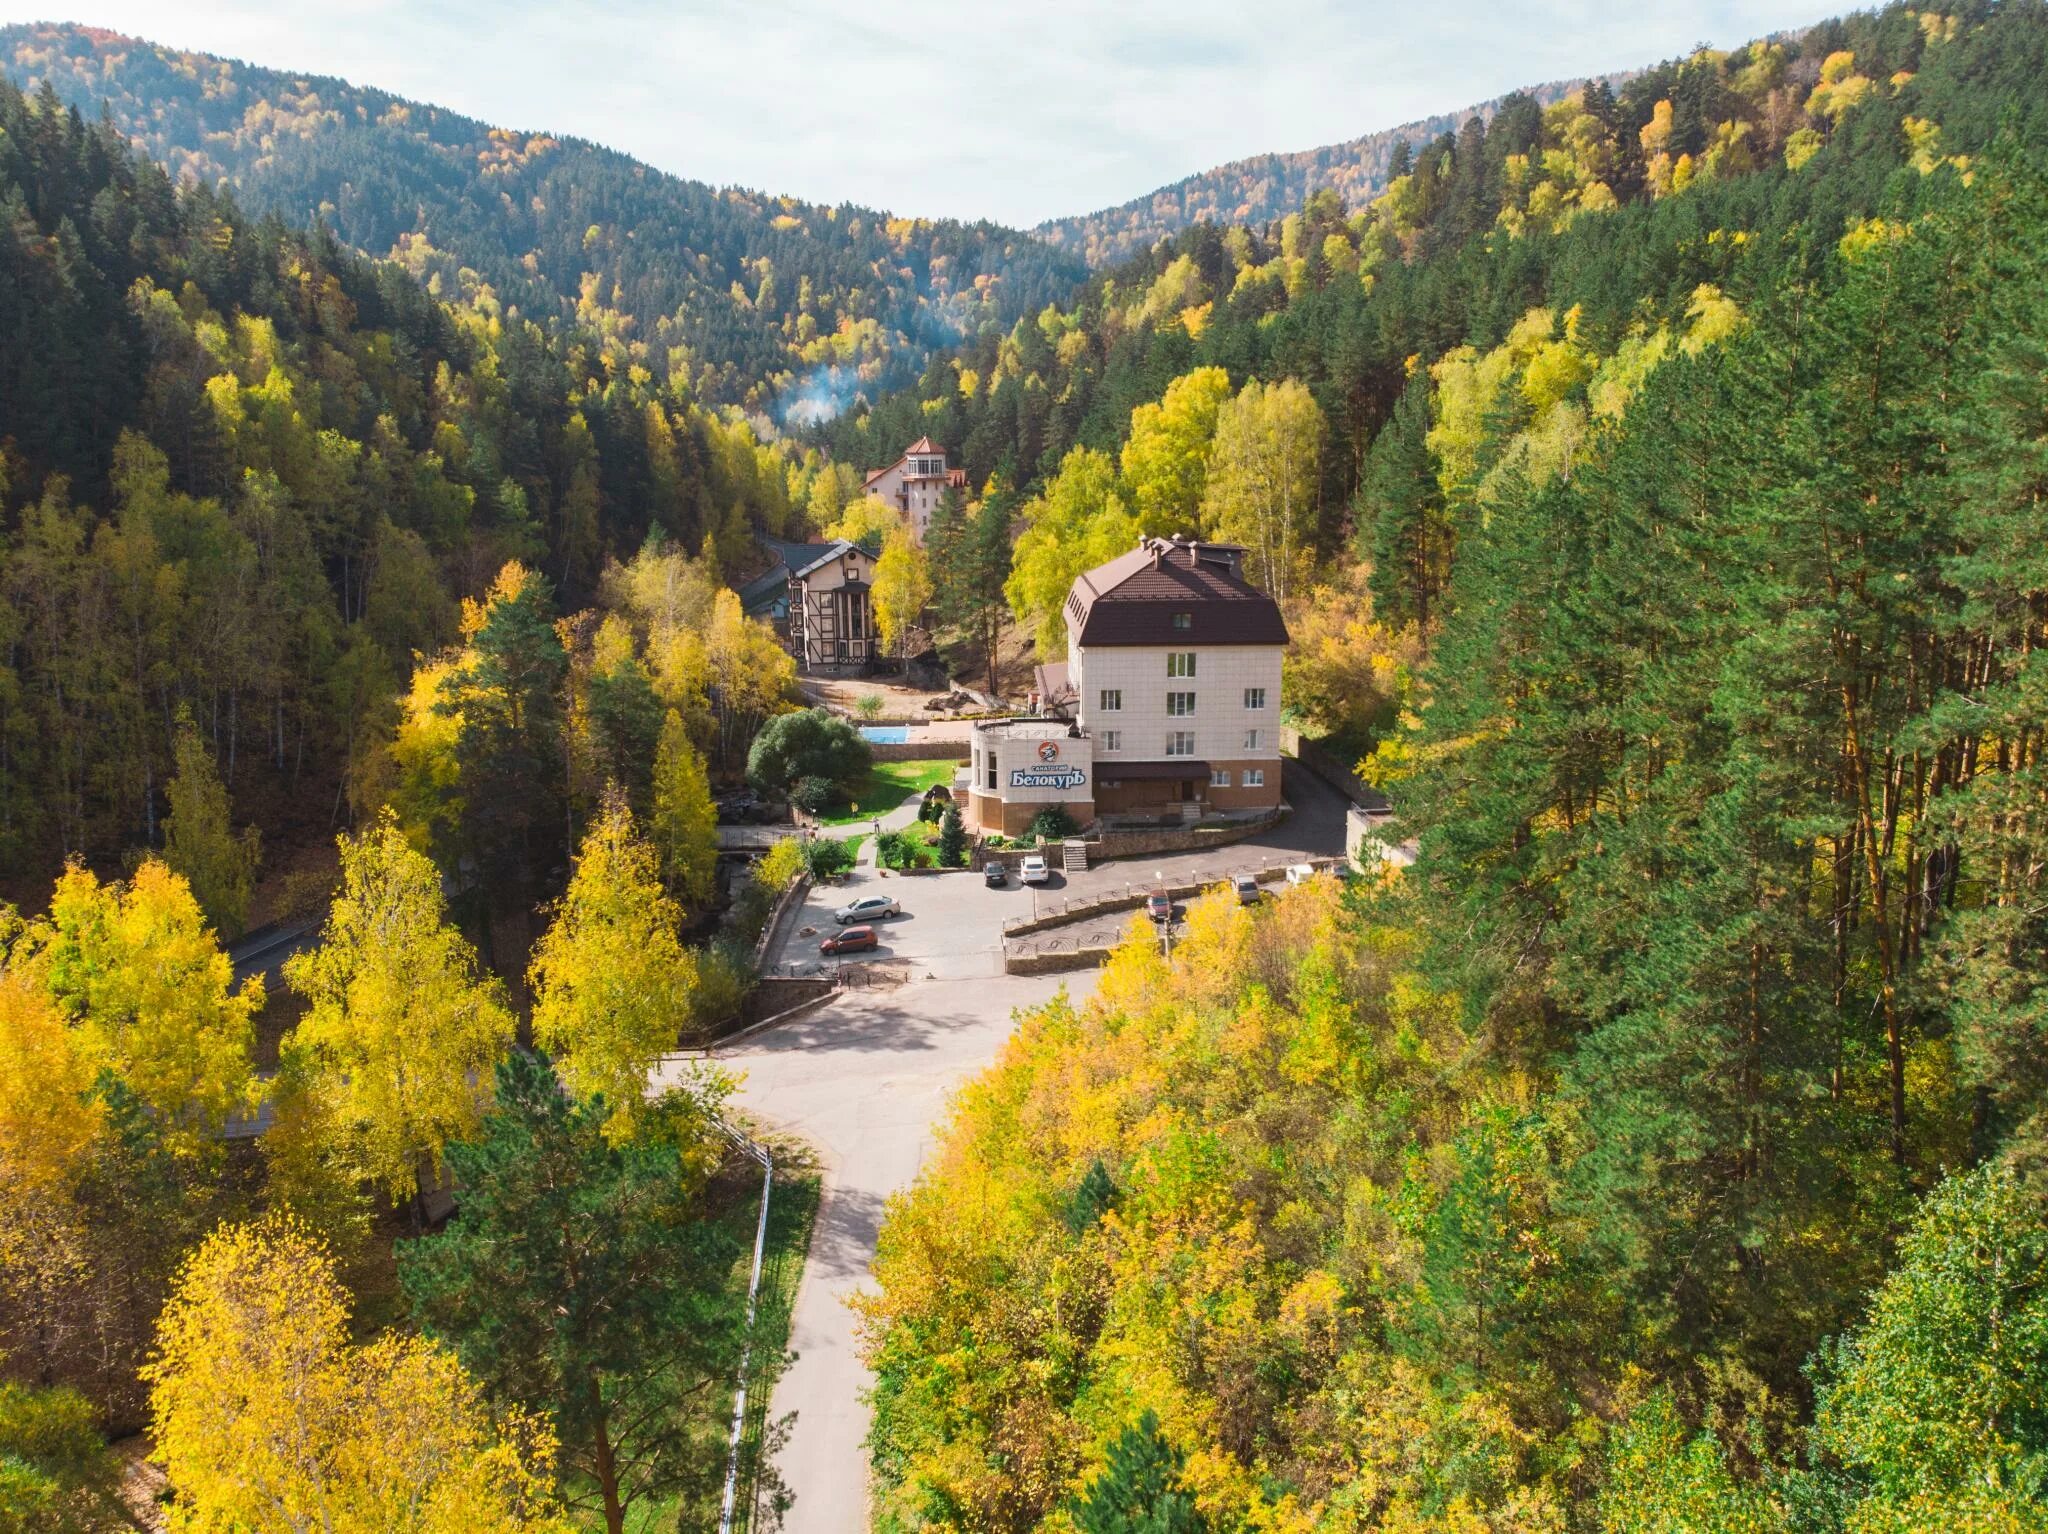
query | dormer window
(1183,620)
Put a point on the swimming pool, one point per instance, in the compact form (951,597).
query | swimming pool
(886,734)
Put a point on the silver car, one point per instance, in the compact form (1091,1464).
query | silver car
(867,908)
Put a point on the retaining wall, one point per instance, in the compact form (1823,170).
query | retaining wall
(1150,843)
(922,751)
(792,897)
(1054,963)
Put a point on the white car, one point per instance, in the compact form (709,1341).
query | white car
(867,908)
(1033,870)
(1300,873)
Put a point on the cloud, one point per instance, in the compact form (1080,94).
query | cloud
(1016,112)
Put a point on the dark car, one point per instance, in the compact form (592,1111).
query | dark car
(995,876)
(852,940)
(1159,906)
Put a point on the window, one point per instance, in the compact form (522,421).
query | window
(1112,699)
(1183,620)
(1251,740)
(1179,704)
(1255,777)
(1180,743)
(1219,779)
(1255,697)
(1112,741)
(1180,663)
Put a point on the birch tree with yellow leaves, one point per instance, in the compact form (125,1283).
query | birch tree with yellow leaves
(266,1416)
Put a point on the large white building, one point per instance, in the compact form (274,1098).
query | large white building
(915,483)
(1168,704)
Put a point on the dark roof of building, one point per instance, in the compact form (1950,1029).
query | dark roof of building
(1134,598)
(764,591)
(821,554)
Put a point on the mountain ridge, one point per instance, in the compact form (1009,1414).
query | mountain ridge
(749,295)
(1272,185)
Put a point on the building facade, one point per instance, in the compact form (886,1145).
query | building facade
(1170,695)
(831,614)
(915,483)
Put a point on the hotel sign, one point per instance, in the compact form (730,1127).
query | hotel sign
(1047,777)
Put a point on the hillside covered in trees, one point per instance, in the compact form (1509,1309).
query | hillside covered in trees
(733,296)
(248,477)
(1663,1150)
(1267,187)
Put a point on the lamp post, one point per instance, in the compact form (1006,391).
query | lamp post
(1165,927)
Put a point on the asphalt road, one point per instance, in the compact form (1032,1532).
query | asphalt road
(866,1080)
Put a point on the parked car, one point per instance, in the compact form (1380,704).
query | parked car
(995,876)
(1246,888)
(1159,906)
(1300,873)
(867,908)
(852,940)
(1033,870)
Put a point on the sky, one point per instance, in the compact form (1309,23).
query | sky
(1013,110)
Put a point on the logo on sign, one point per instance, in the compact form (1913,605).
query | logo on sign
(1047,777)
(1048,750)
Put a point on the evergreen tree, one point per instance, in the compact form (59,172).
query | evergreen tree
(1139,1490)
(952,839)
(577,1281)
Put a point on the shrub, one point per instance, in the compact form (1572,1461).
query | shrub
(1053,824)
(725,973)
(813,795)
(828,857)
(869,706)
(810,743)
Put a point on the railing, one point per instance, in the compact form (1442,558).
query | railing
(765,1159)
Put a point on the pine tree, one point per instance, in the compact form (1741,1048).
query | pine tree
(1139,1491)
(578,1282)
(952,839)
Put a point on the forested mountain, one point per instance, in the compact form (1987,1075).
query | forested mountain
(1268,187)
(246,475)
(737,296)
(1656,486)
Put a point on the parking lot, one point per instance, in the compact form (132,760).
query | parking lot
(952,924)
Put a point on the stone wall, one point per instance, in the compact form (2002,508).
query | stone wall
(1333,770)
(791,898)
(1054,963)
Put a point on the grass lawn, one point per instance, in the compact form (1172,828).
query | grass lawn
(790,1213)
(887,785)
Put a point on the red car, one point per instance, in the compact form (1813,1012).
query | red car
(852,940)
(1159,906)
